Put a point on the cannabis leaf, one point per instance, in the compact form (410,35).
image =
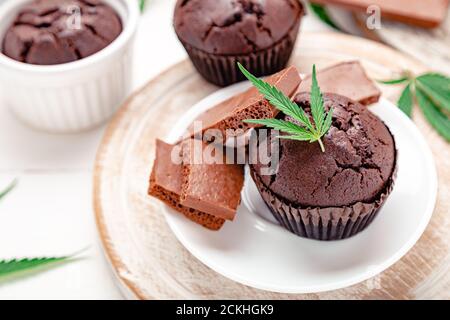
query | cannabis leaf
(8,189)
(18,268)
(394,81)
(142,5)
(434,116)
(323,15)
(437,88)
(306,130)
(405,103)
(432,93)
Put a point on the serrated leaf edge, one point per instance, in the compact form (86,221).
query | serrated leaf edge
(280,101)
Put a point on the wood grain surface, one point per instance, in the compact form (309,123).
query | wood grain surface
(147,259)
(430,46)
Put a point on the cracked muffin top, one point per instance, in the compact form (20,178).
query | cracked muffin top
(48,32)
(231,27)
(358,162)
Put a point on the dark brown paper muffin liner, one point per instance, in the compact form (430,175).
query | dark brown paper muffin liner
(222,70)
(327,223)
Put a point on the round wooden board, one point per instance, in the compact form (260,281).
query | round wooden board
(146,257)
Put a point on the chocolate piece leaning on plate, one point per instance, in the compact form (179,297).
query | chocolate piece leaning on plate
(219,33)
(250,104)
(336,193)
(348,79)
(166,184)
(49,32)
(209,183)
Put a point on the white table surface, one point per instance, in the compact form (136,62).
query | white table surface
(50,211)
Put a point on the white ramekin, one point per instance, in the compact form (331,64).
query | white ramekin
(74,96)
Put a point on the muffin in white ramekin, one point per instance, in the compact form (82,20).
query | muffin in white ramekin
(74,96)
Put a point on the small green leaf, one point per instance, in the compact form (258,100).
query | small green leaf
(10,188)
(317,110)
(279,125)
(436,80)
(142,5)
(394,81)
(432,92)
(436,88)
(306,131)
(298,137)
(19,268)
(11,267)
(405,102)
(434,116)
(327,123)
(323,15)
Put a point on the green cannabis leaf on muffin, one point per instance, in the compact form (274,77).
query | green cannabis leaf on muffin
(305,130)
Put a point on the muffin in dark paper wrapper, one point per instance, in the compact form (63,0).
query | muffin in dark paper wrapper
(334,194)
(329,223)
(219,33)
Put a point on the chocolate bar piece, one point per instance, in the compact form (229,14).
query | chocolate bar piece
(166,184)
(347,79)
(210,184)
(247,105)
(422,13)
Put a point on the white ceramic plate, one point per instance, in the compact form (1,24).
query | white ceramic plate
(254,250)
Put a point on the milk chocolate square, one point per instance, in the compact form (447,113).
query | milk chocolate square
(210,184)
(347,79)
(166,184)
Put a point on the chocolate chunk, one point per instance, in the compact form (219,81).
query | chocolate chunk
(247,105)
(48,32)
(347,79)
(429,14)
(209,183)
(166,185)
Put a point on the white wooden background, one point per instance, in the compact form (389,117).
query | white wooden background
(50,212)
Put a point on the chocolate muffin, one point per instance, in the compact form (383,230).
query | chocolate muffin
(219,33)
(48,32)
(337,193)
